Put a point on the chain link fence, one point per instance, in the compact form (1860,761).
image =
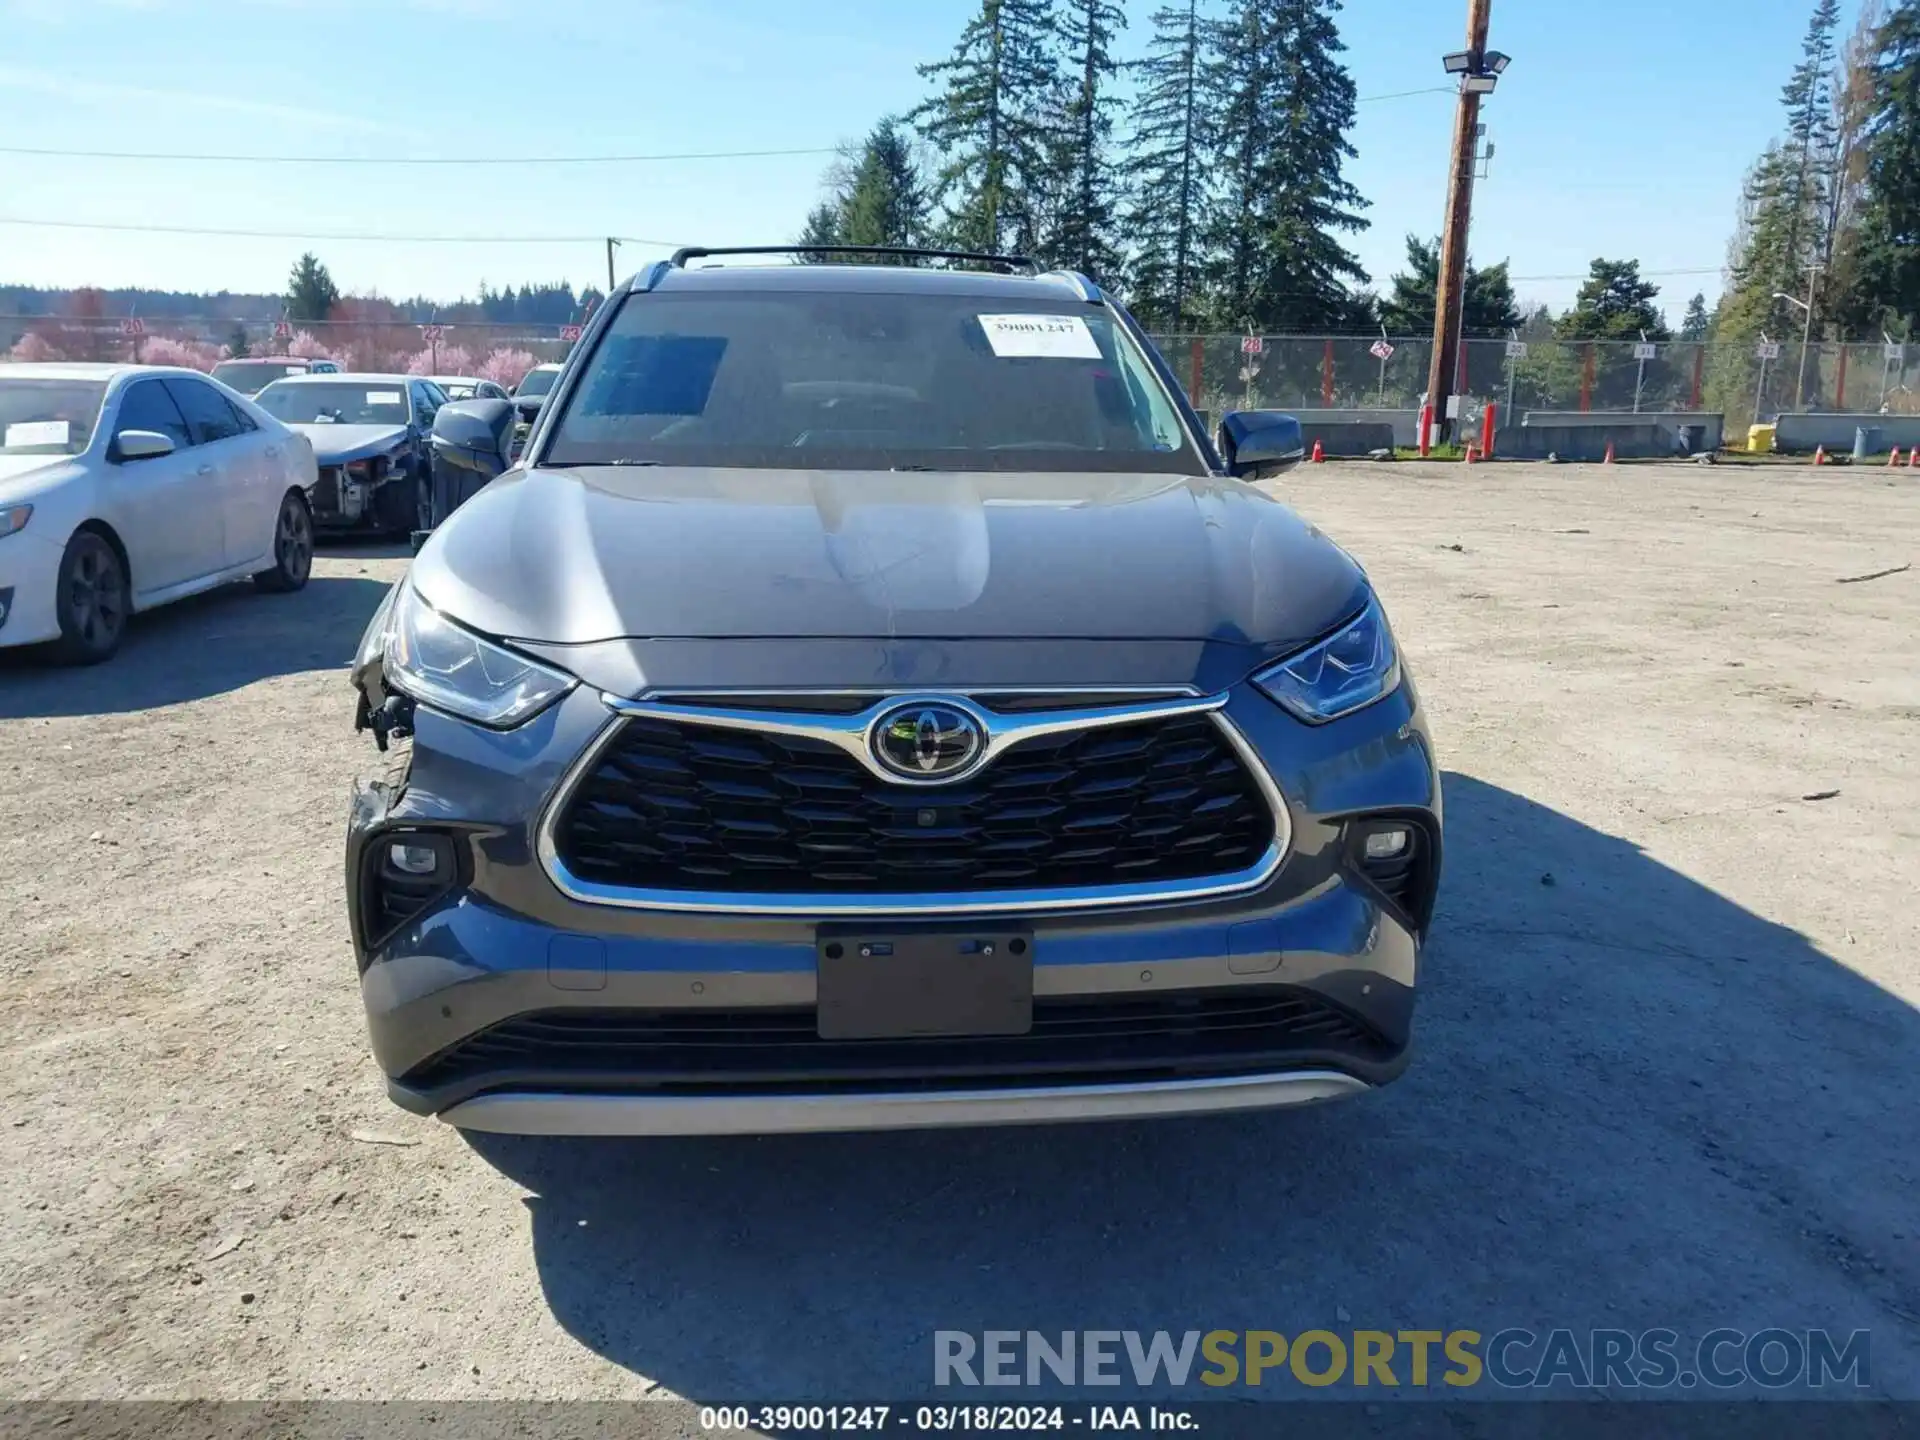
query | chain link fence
(1742,380)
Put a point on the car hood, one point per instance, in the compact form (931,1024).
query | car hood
(22,476)
(576,556)
(337,444)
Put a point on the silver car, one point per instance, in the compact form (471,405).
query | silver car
(873,701)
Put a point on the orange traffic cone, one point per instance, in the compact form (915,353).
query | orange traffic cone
(1893,459)
(1609,459)
(1466,454)
(1913,458)
(1319,455)
(1819,454)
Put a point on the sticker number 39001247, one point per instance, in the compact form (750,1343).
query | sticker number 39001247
(1043,337)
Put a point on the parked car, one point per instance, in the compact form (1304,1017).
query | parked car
(251,375)
(874,701)
(469,387)
(123,487)
(370,438)
(528,396)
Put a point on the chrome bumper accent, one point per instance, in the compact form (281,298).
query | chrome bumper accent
(850,732)
(532,1113)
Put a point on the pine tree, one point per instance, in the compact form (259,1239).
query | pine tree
(1697,323)
(1846,179)
(1164,174)
(1614,303)
(311,292)
(1283,106)
(1084,185)
(1808,100)
(886,201)
(989,124)
(1488,308)
(1889,239)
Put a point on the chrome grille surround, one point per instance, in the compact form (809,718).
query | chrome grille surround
(851,732)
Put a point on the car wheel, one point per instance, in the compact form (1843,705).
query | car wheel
(93,600)
(292,548)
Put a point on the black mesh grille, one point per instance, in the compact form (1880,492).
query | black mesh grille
(1216,1032)
(672,806)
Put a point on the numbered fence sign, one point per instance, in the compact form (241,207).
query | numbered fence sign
(133,325)
(1768,350)
(1516,349)
(1896,355)
(433,334)
(569,332)
(1380,350)
(1646,351)
(282,330)
(1252,345)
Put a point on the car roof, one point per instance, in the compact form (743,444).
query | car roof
(867,279)
(86,370)
(271,359)
(334,377)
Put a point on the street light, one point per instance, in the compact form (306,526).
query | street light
(1496,62)
(1478,73)
(1458,63)
(1806,338)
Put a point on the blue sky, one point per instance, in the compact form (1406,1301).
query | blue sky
(1622,129)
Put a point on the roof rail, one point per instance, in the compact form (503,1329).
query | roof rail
(649,277)
(1007,262)
(1086,289)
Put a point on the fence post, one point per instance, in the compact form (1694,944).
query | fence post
(1840,385)
(1326,376)
(1586,381)
(1699,365)
(1195,354)
(1488,418)
(1426,430)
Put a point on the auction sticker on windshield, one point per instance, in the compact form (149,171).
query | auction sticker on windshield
(1040,337)
(383,397)
(37,432)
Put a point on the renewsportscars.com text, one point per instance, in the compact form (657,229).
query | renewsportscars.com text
(1406,1359)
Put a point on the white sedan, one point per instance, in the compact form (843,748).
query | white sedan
(123,487)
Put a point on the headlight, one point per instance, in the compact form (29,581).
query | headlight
(441,664)
(13,518)
(1345,672)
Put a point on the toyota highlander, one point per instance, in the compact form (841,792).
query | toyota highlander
(872,700)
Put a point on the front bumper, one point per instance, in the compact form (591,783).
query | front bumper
(29,583)
(1298,990)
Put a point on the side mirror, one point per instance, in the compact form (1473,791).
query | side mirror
(139,445)
(474,435)
(1259,444)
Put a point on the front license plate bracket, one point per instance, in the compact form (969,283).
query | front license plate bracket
(912,984)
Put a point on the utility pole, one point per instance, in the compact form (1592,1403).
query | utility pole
(1477,72)
(612,245)
(1806,338)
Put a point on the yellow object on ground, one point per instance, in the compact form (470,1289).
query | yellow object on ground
(1760,439)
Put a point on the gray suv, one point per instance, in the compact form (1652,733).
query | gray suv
(872,700)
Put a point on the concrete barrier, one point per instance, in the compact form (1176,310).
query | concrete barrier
(1405,424)
(1344,440)
(1800,434)
(1713,427)
(1584,442)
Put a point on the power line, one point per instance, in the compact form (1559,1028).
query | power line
(167,155)
(319,235)
(219,158)
(1584,275)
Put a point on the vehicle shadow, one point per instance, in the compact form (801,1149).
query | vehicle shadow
(1634,1104)
(199,647)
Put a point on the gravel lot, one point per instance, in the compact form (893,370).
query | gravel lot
(1667,1046)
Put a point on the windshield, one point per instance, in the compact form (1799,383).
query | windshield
(48,417)
(247,376)
(871,381)
(537,382)
(458,389)
(341,402)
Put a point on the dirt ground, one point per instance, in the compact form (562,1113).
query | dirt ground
(1666,1070)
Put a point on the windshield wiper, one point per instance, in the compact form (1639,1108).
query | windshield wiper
(624,461)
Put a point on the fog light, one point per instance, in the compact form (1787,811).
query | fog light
(1386,844)
(413,859)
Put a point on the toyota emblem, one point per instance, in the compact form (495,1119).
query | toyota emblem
(927,741)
